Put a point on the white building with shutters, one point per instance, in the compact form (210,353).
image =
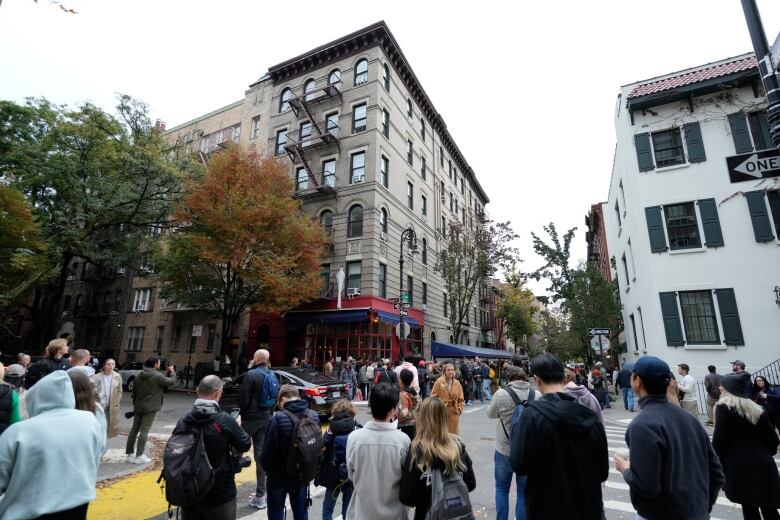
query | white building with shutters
(693,218)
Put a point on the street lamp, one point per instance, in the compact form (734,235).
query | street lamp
(410,237)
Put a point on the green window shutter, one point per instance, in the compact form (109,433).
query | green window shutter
(763,127)
(671,316)
(759,216)
(695,143)
(729,317)
(739,131)
(713,236)
(644,153)
(655,227)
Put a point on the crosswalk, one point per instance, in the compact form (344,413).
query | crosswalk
(617,501)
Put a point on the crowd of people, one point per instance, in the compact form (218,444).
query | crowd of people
(408,458)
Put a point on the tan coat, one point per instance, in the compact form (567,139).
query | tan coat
(452,399)
(112,408)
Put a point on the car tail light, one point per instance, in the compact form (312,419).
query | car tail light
(316,391)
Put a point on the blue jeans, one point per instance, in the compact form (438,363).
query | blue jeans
(276,494)
(331,495)
(486,388)
(503,474)
(628,398)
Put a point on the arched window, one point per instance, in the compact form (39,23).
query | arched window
(424,251)
(433,336)
(383,220)
(334,78)
(284,100)
(361,72)
(326,220)
(308,89)
(386,76)
(355,222)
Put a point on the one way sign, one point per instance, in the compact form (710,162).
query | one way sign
(752,166)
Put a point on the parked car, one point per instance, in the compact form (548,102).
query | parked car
(319,390)
(129,371)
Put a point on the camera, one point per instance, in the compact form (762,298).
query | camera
(239,460)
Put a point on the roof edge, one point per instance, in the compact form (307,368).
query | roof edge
(206,116)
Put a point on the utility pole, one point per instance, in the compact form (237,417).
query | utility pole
(766,68)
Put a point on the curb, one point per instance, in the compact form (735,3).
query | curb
(125,473)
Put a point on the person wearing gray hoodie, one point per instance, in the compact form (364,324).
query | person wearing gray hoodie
(502,407)
(43,471)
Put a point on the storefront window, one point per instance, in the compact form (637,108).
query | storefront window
(364,339)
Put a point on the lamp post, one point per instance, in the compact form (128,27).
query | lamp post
(408,235)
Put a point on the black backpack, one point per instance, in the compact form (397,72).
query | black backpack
(303,457)
(187,471)
(36,372)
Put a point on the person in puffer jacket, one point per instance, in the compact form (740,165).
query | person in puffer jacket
(583,396)
(333,470)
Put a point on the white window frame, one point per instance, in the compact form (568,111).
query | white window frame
(141,299)
(255,133)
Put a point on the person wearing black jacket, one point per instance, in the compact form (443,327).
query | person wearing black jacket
(677,475)
(224,440)
(255,419)
(553,431)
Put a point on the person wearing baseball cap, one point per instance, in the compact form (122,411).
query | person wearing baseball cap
(738,367)
(677,475)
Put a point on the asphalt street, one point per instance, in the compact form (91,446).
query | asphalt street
(477,431)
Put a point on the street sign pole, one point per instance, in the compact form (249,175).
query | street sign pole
(601,350)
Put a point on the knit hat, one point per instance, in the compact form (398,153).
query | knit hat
(736,384)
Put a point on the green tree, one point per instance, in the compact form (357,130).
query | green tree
(556,268)
(592,304)
(242,241)
(518,310)
(472,253)
(557,337)
(97,184)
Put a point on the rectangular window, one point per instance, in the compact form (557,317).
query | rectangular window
(384,170)
(698,313)
(457,207)
(668,147)
(462,187)
(301,179)
(452,203)
(410,289)
(158,338)
(681,226)
(410,195)
(359,118)
(633,329)
(443,227)
(329,173)
(305,131)
(449,162)
(117,300)
(255,127)
(409,152)
(211,337)
(353,275)
(631,259)
(441,156)
(622,195)
(422,129)
(324,279)
(332,124)
(386,123)
(774,206)
(423,168)
(444,304)
(357,167)
(383,280)
(441,191)
(135,339)
(625,270)
(281,141)
(141,300)
(424,206)
(617,214)
(642,326)
(425,293)
(176,338)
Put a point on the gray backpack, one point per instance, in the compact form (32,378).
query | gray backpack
(449,497)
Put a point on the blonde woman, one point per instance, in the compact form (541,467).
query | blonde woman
(109,388)
(434,447)
(448,389)
(746,443)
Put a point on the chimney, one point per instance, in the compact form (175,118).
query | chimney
(159,125)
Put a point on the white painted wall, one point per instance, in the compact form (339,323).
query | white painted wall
(752,269)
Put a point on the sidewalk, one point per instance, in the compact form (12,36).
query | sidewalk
(113,465)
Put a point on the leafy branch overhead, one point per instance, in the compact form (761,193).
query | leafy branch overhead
(556,258)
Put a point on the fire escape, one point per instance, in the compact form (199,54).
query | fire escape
(314,135)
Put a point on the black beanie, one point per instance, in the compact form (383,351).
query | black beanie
(736,384)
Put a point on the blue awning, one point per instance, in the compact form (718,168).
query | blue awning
(452,350)
(341,316)
(394,319)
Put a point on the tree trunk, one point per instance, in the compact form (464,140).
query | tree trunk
(46,320)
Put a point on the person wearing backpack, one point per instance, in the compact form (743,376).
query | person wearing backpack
(554,431)
(52,361)
(291,454)
(256,400)
(437,474)
(223,440)
(408,404)
(333,470)
(505,405)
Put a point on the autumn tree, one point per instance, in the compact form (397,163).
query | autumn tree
(472,253)
(241,241)
(96,182)
(518,310)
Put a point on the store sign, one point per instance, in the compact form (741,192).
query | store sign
(197,331)
(754,166)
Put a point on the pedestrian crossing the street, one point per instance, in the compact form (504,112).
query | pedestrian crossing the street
(617,500)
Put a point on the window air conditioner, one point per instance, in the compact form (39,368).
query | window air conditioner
(70,277)
(383,236)
(353,291)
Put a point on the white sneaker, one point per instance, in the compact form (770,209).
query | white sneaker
(130,458)
(143,459)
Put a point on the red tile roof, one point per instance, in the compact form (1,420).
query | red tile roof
(689,78)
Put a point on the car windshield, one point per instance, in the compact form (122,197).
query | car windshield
(310,376)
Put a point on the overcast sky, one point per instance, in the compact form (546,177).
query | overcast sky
(527,89)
